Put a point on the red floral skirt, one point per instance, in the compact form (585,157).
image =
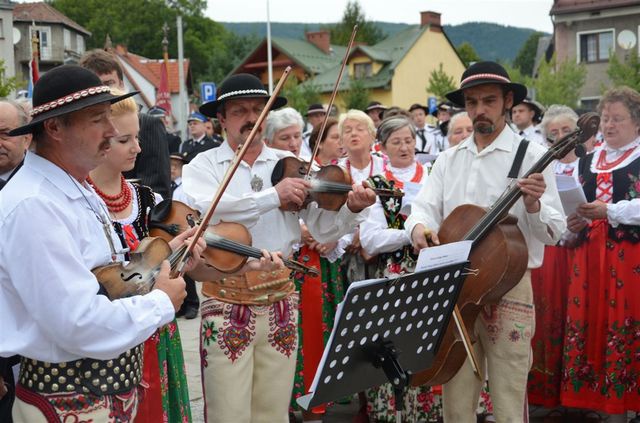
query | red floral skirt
(602,333)
(550,283)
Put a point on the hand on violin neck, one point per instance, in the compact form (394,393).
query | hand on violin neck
(292,192)
(185,238)
(174,288)
(360,198)
(421,237)
(532,189)
(270,261)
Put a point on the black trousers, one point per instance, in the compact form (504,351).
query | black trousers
(192,300)
(6,403)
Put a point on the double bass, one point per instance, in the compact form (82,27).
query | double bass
(499,253)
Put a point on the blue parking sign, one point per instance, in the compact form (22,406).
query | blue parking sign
(432,104)
(208,91)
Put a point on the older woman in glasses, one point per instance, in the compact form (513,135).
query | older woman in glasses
(602,341)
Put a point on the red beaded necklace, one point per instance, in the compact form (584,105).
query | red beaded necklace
(115,203)
(603,164)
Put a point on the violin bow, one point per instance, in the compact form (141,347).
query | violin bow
(331,100)
(240,152)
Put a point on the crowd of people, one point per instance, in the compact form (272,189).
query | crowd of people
(95,176)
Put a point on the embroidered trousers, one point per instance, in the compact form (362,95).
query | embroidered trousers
(504,333)
(30,407)
(248,360)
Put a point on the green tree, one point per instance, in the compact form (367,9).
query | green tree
(138,25)
(467,53)
(300,96)
(625,73)
(559,83)
(526,57)
(7,85)
(357,96)
(440,83)
(516,76)
(368,32)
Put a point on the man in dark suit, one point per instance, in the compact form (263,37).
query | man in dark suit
(199,140)
(12,151)
(152,164)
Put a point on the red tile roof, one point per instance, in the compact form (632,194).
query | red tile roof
(42,12)
(150,68)
(561,7)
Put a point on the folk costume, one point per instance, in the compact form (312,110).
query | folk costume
(249,322)
(464,175)
(383,234)
(319,297)
(550,283)
(166,394)
(91,368)
(602,333)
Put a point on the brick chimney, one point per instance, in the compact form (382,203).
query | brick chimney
(320,39)
(432,19)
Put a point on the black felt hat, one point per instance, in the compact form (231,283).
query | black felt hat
(375,105)
(446,106)
(315,108)
(242,85)
(65,89)
(481,73)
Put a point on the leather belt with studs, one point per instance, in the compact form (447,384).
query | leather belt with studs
(99,377)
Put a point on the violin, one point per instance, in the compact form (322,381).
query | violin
(228,244)
(139,275)
(330,185)
(499,252)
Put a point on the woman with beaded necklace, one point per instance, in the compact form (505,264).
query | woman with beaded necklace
(166,395)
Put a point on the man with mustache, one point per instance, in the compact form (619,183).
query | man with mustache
(249,323)
(476,172)
(81,354)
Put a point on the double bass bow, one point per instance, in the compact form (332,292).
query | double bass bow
(499,253)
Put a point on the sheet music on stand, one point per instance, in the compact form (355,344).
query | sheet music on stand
(386,329)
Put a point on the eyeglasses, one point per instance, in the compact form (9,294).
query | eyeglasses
(616,120)
(4,135)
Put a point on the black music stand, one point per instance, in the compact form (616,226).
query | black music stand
(380,324)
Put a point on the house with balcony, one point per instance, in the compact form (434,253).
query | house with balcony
(59,40)
(589,32)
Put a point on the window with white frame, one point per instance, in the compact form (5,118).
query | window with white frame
(80,43)
(43,33)
(67,39)
(595,46)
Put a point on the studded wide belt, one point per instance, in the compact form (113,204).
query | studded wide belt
(99,377)
(252,288)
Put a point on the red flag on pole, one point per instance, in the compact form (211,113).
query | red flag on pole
(163,98)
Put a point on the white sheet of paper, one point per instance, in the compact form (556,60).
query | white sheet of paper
(426,158)
(443,255)
(571,193)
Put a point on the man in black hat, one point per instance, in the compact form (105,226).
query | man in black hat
(477,172)
(249,334)
(81,355)
(526,116)
(375,109)
(315,115)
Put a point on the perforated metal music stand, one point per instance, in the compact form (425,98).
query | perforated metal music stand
(385,330)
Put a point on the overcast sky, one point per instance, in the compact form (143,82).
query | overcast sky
(521,13)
